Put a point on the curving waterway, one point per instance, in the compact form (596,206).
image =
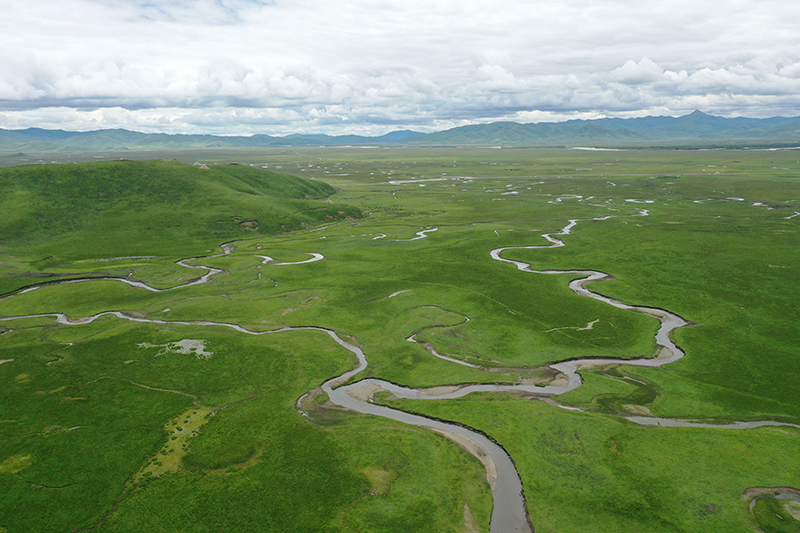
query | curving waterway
(210,271)
(509,513)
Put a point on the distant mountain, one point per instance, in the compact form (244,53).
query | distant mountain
(339,140)
(694,128)
(790,130)
(400,135)
(38,140)
(694,125)
(512,133)
(700,126)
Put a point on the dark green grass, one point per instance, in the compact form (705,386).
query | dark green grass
(304,475)
(98,384)
(612,390)
(310,473)
(299,481)
(84,439)
(55,214)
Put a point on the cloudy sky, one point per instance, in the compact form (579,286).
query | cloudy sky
(373,66)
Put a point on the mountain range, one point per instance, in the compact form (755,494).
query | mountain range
(695,128)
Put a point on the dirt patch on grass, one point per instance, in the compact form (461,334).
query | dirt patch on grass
(380,480)
(561,380)
(232,469)
(638,409)
(185,346)
(541,376)
(588,326)
(546,378)
(365,392)
(752,492)
(665,353)
(469,521)
(473,448)
(54,391)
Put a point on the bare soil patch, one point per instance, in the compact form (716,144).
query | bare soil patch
(473,448)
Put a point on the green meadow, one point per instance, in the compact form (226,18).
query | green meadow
(118,425)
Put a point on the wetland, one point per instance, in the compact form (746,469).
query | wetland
(573,347)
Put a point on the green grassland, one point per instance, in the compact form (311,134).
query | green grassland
(88,407)
(60,214)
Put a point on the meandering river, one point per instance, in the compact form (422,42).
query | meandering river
(509,513)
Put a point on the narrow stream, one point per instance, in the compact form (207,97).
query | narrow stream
(210,271)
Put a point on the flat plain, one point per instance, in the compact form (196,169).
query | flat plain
(164,417)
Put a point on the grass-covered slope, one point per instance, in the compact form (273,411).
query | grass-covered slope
(57,213)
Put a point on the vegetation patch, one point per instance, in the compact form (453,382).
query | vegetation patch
(180,433)
(196,347)
(379,480)
(15,464)
(771,515)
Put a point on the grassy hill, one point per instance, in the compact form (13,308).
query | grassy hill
(58,213)
(41,140)
(512,133)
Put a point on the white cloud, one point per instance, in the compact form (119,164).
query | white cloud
(256,65)
(790,71)
(633,73)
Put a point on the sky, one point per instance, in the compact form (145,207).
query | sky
(240,67)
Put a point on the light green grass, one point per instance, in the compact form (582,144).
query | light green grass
(584,472)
